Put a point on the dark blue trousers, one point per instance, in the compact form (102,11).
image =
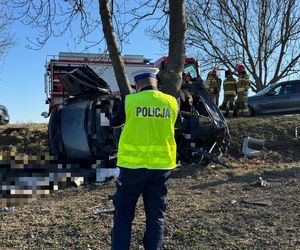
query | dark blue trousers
(152,185)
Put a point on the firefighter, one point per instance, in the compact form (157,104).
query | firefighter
(208,79)
(146,153)
(214,85)
(242,91)
(230,89)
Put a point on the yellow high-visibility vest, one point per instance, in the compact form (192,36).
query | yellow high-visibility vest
(147,139)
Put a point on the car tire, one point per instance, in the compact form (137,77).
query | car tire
(52,132)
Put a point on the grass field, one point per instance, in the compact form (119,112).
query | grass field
(208,208)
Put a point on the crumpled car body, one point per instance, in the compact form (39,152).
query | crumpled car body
(204,126)
(4,116)
(79,129)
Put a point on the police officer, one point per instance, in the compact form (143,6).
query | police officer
(146,153)
(230,88)
(242,91)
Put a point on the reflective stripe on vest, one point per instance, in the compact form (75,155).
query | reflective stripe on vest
(229,92)
(229,82)
(245,78)
(147,140)
(240,90)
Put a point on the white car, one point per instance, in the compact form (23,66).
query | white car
(4,116)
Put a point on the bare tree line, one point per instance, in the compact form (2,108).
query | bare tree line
(262,35)
(6,37)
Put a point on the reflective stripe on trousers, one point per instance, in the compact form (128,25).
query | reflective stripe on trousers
(229,92)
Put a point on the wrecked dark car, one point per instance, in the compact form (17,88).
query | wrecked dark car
(204,135)
(79,129)
(4,116)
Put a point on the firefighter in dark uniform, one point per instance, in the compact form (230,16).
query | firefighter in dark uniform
(242,91)
(230,89)
(214,85)
(146,153)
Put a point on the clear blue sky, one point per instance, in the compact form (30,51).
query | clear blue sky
(22,70)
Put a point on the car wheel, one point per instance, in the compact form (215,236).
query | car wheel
(52,132)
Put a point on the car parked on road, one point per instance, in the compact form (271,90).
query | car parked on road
(4,116)
(278,98)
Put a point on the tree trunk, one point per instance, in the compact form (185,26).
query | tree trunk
(172,77)
(114,52)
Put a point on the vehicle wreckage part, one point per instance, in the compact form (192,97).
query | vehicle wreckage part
(71,125)
(296,134)
(249,152)
(80,131)
(258,201)
(84,82)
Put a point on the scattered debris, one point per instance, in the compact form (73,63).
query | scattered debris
(258,201)
(78,181)
(249,152)
(273,183)
(48,207)
(104,211)
(263,183)
(233,202)
(7,209)
(296,134)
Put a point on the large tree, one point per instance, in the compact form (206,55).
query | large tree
(172,78)
(113,48)
(264,35)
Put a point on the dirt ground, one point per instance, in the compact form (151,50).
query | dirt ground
(208,208)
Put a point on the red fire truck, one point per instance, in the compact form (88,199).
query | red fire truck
(99,63)
(102,66)
(191,66)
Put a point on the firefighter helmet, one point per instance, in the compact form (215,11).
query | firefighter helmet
(240,68)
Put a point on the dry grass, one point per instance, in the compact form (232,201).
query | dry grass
(199,215)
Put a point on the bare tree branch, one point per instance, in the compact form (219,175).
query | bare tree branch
(113,48)
(263,35)
(6,38)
